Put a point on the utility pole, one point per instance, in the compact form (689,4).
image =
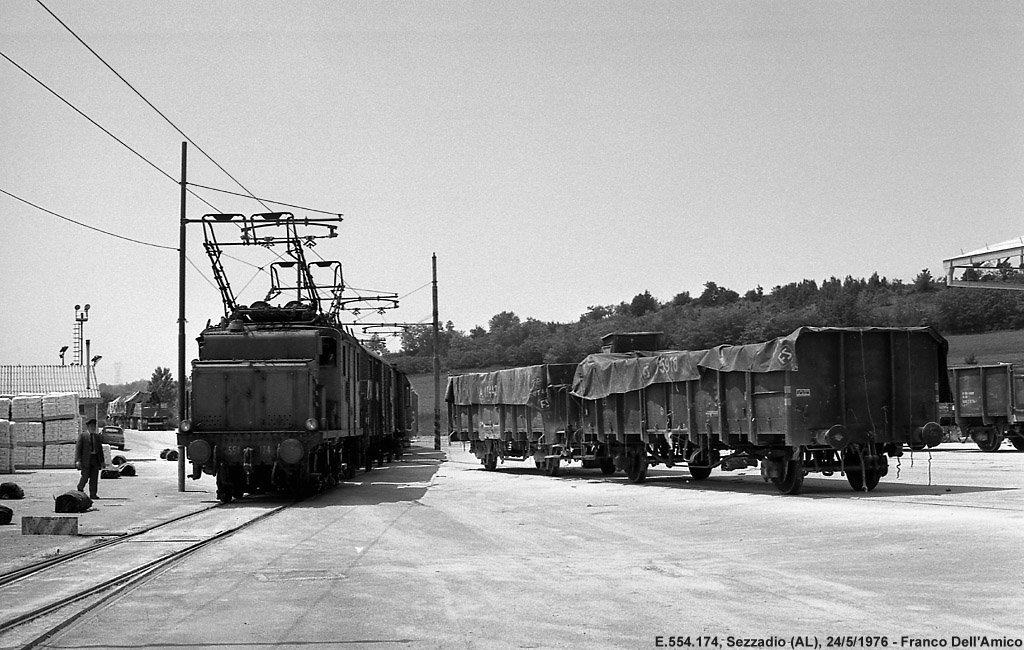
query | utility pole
(181,316)
(437,367)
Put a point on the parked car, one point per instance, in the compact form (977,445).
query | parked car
(113,436)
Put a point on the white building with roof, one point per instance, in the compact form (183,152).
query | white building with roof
(80,379)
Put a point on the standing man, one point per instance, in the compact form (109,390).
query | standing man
(89,458)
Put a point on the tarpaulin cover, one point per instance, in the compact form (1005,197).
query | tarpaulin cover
(526,385)
(600,375)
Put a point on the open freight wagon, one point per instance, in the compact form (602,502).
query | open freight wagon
(989,404)
(819,400)
(517,413)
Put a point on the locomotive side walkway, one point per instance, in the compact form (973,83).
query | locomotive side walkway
(126,504)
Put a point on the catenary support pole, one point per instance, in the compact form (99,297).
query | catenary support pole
(437,367)
(181,317)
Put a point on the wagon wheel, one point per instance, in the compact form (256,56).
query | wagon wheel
(607,466)
(863,481)
(988,439)
(636,466)
(862,474)
(794,478)
(1018,443)
(700,466)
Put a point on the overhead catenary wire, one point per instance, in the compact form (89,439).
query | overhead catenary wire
(287,205)
(105,130)
(85,225)
(150,104)
(249,193)
(129,239)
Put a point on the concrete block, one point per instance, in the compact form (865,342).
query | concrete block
(49,525)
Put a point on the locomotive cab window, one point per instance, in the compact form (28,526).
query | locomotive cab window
(328,351)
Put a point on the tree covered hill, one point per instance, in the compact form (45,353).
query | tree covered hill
(718,316)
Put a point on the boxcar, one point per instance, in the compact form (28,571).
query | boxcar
(989,404)
(819,400)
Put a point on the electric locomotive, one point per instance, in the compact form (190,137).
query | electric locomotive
(284,397)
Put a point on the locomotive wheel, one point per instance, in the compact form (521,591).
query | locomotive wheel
(636,466)
(223,487)
(699,466)
(607,466)
(989,440)
(794,478)
(1018,443)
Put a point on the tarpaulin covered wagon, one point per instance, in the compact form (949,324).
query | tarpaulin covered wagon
(515,413)
(819,400)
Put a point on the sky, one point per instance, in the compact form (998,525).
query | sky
(553,155)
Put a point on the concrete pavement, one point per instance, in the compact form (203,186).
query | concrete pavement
(126,504)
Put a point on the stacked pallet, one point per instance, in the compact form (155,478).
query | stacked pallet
(61,426)
(6,447)
(27,430)
(27,408)
(59,438)
(45,429)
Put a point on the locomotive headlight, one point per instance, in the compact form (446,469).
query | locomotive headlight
(185,426)
(312,424)
(199,451)
(290,451)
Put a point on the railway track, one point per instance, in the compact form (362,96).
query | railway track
(44,598)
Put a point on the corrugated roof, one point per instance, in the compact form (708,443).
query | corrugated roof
(50,379)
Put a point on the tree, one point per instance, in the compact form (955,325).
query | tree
(643,303)
(681,299)
(501,322)
(163,386)
(417,340)
(714,296)
(597,312)
(376,344)
(924,282)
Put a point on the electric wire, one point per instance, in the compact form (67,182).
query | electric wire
(85,225)
(129,239)
(150,104)
(200,272)
(101,128)
(249,196)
